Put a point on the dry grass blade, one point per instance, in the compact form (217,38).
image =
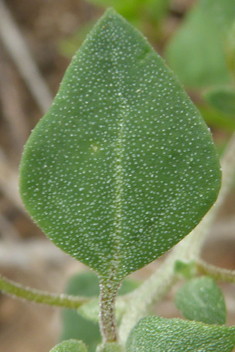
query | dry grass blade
(18,49)
(9,182)
(12,107)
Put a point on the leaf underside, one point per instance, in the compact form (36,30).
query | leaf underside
(122,166)
(154,334)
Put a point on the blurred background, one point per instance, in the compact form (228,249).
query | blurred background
(37,41)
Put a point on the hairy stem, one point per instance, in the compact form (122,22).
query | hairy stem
(16,290)
(108,292)
(215,272)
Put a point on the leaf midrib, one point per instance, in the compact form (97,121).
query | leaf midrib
(119,149)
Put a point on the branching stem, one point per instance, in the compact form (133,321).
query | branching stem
(37,296)
(215,272)
(108,292)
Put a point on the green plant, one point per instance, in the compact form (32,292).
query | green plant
(121,169)
(206,37)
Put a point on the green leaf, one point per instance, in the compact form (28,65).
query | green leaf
(70,346)
(154,334)
(222,99)
(197,51)
(202,300)
(122,166)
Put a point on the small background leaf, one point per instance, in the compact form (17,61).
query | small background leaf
(196,53)
(202,300)
(154,334)
(222,99)
(74,326)
(70,346)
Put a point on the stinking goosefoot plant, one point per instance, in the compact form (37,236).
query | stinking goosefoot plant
(120,169)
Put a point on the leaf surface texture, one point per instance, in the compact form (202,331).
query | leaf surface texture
(122,166)
(154,334)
